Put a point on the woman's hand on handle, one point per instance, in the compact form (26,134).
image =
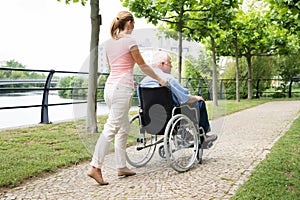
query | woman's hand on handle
(162,82)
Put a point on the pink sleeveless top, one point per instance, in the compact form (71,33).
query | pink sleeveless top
(120,60)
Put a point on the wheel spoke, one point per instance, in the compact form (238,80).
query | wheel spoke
(181,143)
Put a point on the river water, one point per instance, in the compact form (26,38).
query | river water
(12,118)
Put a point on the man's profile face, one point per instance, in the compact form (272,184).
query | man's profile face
(167,66)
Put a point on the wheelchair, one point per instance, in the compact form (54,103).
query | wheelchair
(173,129)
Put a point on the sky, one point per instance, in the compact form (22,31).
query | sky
(46,34)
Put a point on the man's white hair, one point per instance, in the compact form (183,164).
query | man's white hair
(158,57)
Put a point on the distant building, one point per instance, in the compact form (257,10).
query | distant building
(276,81)
(2,63)
(150,40)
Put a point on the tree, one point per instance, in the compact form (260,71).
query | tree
(263,72)
(286,14)
(211,18)
(237,69)
(255,37)
(288,66)
(19,74)
(192,17)
(91,121)
(198,70)
(8,74)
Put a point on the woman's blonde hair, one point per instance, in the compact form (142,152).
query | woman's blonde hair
(118,23)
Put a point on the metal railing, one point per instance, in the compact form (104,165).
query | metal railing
(200,87)
(47,86)
(203,87)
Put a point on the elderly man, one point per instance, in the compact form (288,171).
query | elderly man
(162,65)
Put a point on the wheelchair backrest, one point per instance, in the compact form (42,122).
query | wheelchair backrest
(156,109)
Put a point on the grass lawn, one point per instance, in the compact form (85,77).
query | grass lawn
(29,152)
(33,151)
(277,176)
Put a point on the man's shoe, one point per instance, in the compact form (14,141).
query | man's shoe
(211,138)
(125,172)
(208,142)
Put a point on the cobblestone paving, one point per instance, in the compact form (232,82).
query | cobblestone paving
(244,139)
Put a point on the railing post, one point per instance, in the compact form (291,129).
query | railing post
(290,88)
(257,88)
(208,90)
(44,110)
(221,89)
(188,83)
(200,87)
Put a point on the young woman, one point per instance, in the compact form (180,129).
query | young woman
(122,54)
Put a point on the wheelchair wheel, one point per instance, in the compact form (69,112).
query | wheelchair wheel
(137,152)
(181,143)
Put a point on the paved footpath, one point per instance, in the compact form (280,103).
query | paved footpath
(244,139)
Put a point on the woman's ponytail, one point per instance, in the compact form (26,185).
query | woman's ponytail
(119,22)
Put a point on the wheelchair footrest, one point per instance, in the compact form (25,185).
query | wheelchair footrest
(207,145)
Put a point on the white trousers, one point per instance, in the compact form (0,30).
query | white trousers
(118,99)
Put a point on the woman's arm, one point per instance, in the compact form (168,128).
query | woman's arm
(135,52)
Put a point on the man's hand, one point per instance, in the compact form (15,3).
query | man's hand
(199,98)
(194,98)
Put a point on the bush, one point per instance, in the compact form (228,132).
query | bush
(279,95)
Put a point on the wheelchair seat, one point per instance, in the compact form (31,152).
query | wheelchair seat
(155,109)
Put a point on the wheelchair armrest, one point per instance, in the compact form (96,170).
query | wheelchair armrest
(189,111)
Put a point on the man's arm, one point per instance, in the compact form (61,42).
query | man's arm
(182,94)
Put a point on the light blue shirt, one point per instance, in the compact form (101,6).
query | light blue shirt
(180,94)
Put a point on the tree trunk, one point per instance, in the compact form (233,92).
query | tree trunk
(180,56)
(180,46)
(249,76)
(91,122)
(214,75)
(237,79)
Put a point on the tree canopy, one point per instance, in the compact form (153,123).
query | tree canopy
(83,2)
(286,13)
(14,74)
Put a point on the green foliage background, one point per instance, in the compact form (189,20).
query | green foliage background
(10,74)
(15,74)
